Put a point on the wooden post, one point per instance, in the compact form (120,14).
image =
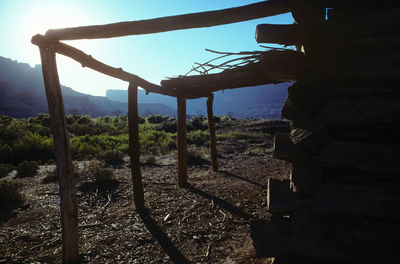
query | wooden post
(213,140)
(182,146)
(68,202)
(134,147)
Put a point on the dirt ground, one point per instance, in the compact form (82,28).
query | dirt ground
(206,222)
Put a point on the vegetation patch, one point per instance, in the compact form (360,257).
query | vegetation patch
(111,157)
(5,169)
(27,169)
(10,196)
(95,178)
(198,138)
(242,135)
(195,156)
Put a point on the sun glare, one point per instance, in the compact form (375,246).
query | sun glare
(54,15)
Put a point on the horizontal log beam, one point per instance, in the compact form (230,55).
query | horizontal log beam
(170,23)
(360,30)
(275,67)
(88,61)
(341,154)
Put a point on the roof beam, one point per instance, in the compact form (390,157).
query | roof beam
(170,23)
(274,67)
(88,61)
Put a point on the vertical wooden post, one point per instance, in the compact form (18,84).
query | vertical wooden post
(134,147)
(68,202)
(182,146)
(213,140)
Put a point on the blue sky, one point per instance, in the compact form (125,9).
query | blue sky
(153,57)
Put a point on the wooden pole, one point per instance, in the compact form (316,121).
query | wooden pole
(163,24)
(213,140)
(134,147)
(68,202)
(182,146)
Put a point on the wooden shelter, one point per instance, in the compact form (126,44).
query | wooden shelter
(343,109)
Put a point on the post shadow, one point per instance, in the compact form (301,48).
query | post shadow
(222,203)
(172,251)
(229,174)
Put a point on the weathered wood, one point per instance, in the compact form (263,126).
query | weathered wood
(360,199)
(68,202)
(374,67)
(213,139)
(305,178)
(88,61)
(279,196)
(273,67)
(371,44)
(134,147)
(163,24)
(280,34)
(363,25)
(360,156)
(362,112)
(341,154)
(182,144)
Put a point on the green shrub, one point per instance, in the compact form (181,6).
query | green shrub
(195,156)
(217,119)
(111,157)
(197,123)
(150,140)
(84,120)
(242,135)
(104,175)
(9,194)
(199,138)
(94,171)
(172,145)
(169,127)
(95,177)
(5,169)
(156,119)
(27,168)
(32,146)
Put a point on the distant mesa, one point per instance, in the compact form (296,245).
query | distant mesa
(264,101)
(22,94)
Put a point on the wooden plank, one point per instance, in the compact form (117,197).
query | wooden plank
(163,24)
(280,34)
(213,139)
(88,61)
(68,202)
(134,147)
(182,144)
